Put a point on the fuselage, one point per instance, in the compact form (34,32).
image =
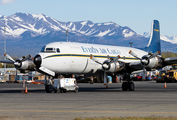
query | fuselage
(74,58)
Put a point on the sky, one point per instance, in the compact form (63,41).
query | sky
(136,14)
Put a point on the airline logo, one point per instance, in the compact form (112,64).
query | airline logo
(156,30)
(100,50)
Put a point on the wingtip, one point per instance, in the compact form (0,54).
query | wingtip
(130,51)
(5,54)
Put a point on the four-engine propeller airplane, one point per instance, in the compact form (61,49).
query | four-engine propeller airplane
(60,58)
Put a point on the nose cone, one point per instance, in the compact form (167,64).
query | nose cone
(37,60)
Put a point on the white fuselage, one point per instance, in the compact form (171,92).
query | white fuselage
(72,58)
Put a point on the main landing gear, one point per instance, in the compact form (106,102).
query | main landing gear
(128,85)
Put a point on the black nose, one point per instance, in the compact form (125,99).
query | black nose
(37,60)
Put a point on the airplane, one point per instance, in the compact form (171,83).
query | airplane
(61,58)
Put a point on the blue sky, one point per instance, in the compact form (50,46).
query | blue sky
(136,14)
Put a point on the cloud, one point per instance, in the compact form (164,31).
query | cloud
(5,2)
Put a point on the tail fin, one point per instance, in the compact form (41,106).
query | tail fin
(154,41)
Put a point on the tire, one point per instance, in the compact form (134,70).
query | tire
(64,90)
(76,90)
(48,88)
(56,90)
(61,90)
(131,86)
(124,86)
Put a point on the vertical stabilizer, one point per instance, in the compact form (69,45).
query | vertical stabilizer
(154,41)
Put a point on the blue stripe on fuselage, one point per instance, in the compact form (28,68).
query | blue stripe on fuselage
(88,56)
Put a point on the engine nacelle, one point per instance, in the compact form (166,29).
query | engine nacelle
(113,67)
(154,62)
(26,65)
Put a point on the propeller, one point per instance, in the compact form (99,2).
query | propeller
(144,60)
(105,64)
(17,62)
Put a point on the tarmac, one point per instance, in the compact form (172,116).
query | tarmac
(92,101)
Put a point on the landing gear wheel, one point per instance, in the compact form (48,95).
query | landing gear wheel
(76,90)
(131,86)
(64,91)
(48,88)
(56,90)
(125,86)
(61,90)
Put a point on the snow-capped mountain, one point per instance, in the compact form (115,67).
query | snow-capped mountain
(40,24)
(27,33)
(168,38)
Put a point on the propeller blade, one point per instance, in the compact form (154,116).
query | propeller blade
(155,54)
(9,58)
(94,59)
(115,59)
(105,77)
(144,72)
(133,54)
(27,57)
(16,78)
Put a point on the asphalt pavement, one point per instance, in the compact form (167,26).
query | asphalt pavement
(92,100)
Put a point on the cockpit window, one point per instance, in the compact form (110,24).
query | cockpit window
(50,50)
(43,49)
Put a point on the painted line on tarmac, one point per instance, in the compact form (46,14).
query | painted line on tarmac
(59,111)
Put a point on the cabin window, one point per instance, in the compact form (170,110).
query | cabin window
(58,50)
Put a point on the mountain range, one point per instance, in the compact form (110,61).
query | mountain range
(27,33)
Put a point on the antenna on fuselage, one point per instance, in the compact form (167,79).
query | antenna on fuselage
(130,44)
(67,35)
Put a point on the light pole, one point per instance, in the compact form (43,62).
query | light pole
(67,35)
(4,48)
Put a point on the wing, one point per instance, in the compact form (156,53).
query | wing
(170,61)
(6,61)
(135,65)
